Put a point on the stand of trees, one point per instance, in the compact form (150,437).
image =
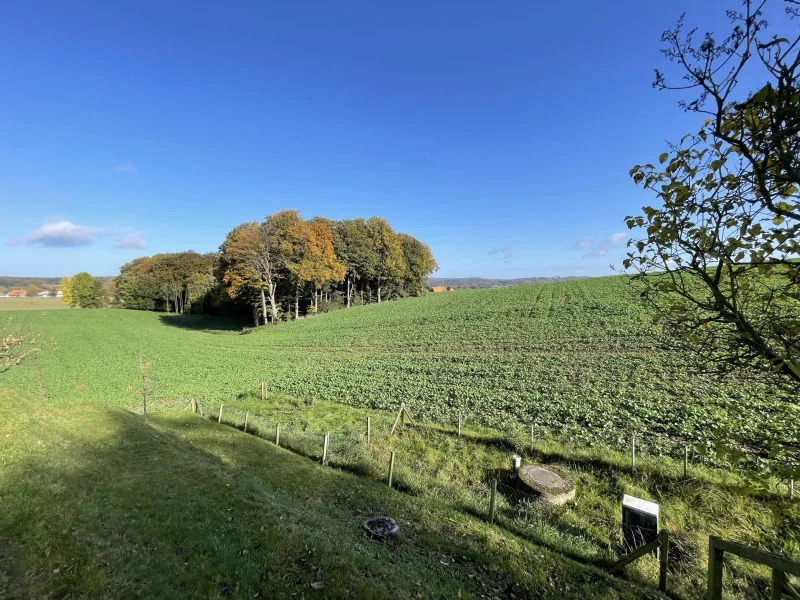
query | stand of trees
(178,282)
(282,268)
(84,291)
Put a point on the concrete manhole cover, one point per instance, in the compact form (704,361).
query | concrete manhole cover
(552,487)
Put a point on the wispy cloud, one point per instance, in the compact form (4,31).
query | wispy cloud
(133,239)
(612,241)
(66,234)
(503,254)
(126,167)
(584,243)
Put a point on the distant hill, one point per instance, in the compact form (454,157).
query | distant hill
(42,282)
(480,282)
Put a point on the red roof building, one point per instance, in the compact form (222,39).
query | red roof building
(17,294)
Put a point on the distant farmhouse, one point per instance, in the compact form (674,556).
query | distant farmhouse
(17,294)
(442,288)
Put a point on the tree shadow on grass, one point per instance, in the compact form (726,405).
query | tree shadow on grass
(207,323)
(105,505)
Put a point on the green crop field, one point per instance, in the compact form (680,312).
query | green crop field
(575,358)
(31,303)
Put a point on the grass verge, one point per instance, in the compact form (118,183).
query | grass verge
(98,504)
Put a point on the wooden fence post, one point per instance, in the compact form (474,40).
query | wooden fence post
(663,560)
(219,418)
(391,467)
(715,556)
(246,414)
(277,434)
(492,495)
(685,461)
(369,439)
(633,453)
(777,584)
(459,423)
(531,439)
(325,443)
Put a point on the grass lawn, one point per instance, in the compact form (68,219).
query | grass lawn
(104,506)
(433,462)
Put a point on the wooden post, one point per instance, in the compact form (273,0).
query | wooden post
(369,423)
(633,454)
(492,495)
(246,414)
(531,439)
(459,423)
(663,560)
(325,443)
(776,586)
(219,418)
(715,556)
(391,467)
(277,434)
(685,462)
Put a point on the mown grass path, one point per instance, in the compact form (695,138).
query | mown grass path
(96,504)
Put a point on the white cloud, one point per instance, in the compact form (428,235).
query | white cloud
(612,241)
(66,234)
(62,234)
(584,243)
(126,167)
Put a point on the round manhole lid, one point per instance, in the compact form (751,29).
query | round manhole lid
(539,477)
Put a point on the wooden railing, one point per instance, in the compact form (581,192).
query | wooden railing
(780,565)
(661,543)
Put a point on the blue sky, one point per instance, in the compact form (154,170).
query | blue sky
(499,133)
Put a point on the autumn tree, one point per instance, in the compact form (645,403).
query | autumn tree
(316,261)
(718,259)
(32,290)
(65,285)
(255,257)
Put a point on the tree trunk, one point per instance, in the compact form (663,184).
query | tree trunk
(379,294)
(264,307)
(255,315)
(297,302)
(349,287)
(272,291)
